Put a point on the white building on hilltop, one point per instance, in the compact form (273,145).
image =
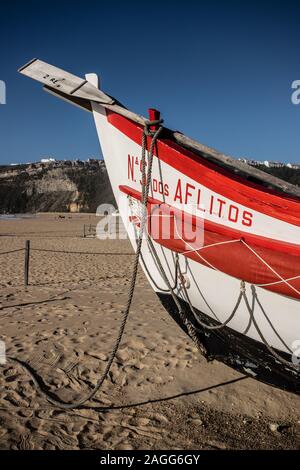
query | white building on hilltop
(48,160)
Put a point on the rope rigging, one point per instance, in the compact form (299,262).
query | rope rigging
(146,185)
(179,282)
(261,335)
(242,295)
(12,251)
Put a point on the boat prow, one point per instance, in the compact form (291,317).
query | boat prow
(238,280)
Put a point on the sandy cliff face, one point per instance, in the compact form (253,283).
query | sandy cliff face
(70,186)
(55,180)
(55,187)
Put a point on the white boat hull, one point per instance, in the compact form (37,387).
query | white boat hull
(211,292)
(251,233)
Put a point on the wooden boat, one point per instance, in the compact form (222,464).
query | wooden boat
(224,235)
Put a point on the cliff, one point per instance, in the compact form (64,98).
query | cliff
(70,186)
(67,186)
(292,175)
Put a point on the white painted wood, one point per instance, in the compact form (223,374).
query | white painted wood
(212,292)
(63,81)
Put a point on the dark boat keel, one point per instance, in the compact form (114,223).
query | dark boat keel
(238,351)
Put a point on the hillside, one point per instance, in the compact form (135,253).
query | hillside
(71,186)
(68,186)
(285,173)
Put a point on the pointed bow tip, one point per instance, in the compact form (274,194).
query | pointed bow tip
(26,65)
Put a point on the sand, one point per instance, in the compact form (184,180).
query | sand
(161,393)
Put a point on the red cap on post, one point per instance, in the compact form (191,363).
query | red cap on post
(154,115)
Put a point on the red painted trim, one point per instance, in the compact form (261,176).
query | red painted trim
(154,115)
(233,259)
(221,181)
(227,232)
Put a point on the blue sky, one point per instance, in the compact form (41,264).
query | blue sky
(219,71)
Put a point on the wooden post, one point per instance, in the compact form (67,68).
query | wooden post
(83,230)
(26,263)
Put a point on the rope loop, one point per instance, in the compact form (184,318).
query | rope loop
(148,124)
(243,287)
(146,183)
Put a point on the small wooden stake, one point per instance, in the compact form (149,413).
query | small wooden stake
(26,263)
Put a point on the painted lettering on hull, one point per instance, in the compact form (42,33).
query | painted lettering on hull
(185,193)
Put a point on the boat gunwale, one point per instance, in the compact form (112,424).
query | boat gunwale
(237,167)
(259,178)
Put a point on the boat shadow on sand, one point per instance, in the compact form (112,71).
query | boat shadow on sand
(164,399)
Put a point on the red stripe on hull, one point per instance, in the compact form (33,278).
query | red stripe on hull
(227,232)
(234,259)
(216,179)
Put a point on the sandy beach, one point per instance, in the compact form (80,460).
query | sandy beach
(161,393)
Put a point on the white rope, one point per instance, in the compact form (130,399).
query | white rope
(270,267)
(281,279)
(277,282)
(242,292)
(211,246)
(202,247)
(193,249)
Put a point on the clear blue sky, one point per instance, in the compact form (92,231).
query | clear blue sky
(219,71)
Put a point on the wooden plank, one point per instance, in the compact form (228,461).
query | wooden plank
(63,81)
(236,166)
(232,164)
(80,92)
